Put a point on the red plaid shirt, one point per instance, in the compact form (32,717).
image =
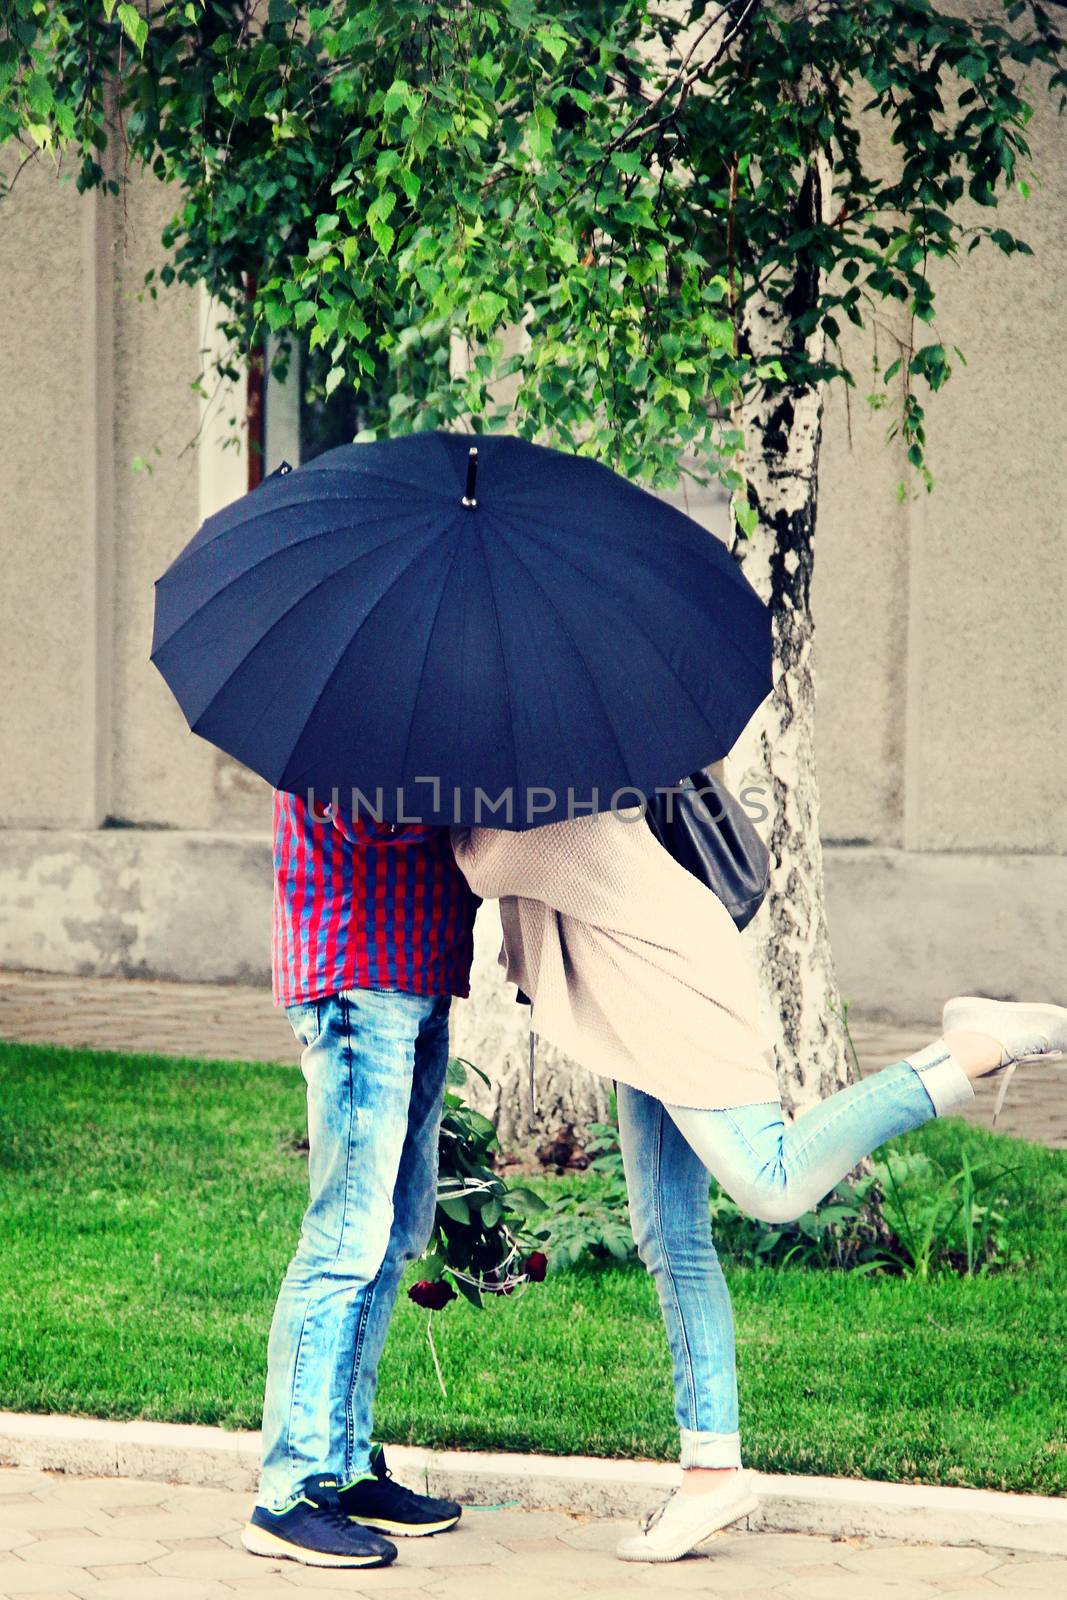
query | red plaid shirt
(366,905)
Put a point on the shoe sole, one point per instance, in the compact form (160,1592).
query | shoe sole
(407,1530)
(967,1000)
(743,1508)
(261,1542)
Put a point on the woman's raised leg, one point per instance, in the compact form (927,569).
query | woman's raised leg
(776,1171)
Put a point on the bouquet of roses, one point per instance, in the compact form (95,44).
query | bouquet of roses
(483,1240)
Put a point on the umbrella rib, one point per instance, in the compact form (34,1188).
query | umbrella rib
(326,533)
(288,610)
(503,653)
(733,571)
(269,511)
(426,653)
(382,477)
(315,703)
(579,652)
(688,692)
(562,555)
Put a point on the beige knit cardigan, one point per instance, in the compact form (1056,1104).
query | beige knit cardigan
(635,969)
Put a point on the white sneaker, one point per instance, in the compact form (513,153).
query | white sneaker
(1024,1030)
(684,1520)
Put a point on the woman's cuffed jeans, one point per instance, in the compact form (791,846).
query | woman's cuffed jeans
(773,1171)
(375,1066)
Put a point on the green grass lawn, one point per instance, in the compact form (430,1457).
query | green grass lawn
(149,1207)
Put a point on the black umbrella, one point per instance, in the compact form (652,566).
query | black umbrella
(442,614)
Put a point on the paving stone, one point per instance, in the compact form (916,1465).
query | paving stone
(1040,1577)
(451,1549)
(149,1587)
(378,1580)
(11,1538)
(597,1535)
(169,1527)
(964,1587)
(520,1586)
(193,1502)
(846,1586)
(565,1564)
(705,1575)
(53,1594)
(515,1523)
(1008,1591)
(626,1584)
(21,1480)
(91,1550)
(218,1565)
(41,1516)
(794,1549)
(27,1578)
(917,1561)
(258,1583)
(104,1492)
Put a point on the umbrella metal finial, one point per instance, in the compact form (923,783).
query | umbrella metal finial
(472,471)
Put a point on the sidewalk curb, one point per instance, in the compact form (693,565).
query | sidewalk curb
(217,1458)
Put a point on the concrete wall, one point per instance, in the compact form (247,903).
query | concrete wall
(127,845)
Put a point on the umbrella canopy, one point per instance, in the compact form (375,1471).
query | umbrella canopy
(380,619)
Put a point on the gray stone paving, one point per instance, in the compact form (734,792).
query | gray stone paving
(240,1023)
(112,1538)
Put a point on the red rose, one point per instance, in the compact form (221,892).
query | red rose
(536,1265)
(434,1295)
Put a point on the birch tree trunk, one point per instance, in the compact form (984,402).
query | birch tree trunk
(789,939)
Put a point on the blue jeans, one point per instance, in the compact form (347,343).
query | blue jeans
(375,1066)
(772,1171)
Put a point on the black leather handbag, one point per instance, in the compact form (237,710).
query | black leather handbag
(708,832)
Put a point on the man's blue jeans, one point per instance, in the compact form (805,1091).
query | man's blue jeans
(374,1064)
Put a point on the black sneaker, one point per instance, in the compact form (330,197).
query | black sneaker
(380,1502)
(316,1531)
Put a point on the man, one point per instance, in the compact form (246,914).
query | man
(372,936)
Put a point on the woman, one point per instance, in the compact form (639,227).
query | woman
(636,970)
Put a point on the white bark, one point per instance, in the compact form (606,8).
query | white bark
(789,938)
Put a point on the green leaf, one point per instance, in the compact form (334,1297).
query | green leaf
(458,1210)
(384,236)
(486,309)
(134,26)
(539,132)
(469,1292)
(399,94)
(746,517)
(381,209)
(527,1198)
(554,41)
(333,377)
